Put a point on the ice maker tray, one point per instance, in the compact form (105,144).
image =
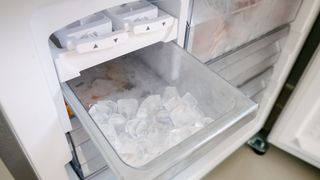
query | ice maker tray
(149,71)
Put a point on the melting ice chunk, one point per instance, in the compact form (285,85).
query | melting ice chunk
(127,107)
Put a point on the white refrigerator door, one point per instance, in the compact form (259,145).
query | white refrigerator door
(297,130)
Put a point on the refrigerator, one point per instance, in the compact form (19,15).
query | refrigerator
(157,89)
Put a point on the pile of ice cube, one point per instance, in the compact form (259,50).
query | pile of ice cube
(141,133)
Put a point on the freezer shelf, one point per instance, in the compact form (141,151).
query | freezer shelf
(149,71)
(249,61)
(221,26)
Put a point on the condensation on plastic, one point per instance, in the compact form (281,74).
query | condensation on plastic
(218,26)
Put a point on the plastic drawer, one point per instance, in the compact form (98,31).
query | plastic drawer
(149,71)
(220,26)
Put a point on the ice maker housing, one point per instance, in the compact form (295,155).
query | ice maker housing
(167,24)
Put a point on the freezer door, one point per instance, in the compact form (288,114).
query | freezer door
(297,130)
(150,71)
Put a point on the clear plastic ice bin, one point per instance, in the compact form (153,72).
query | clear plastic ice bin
(149,71)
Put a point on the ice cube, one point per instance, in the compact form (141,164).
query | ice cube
(190,100)
(126,145)
(118,122)
(129,150)
(147,147)
(127,107)
(169,93)
(150,105)
(137,128)
(100,114)
(109,132)
(142,128)
(99,118)
(178,135)
(184,115)
(131,127)
(163,117)
(108,103)
(142,113)
(160,128)
(160,142)
(172,103)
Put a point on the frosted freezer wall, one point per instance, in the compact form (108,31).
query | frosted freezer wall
(219,26)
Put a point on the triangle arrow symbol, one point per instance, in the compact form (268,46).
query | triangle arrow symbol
(164,23)
(148,28)
(95,46)
(115,40)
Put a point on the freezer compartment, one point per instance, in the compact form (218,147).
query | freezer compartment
(219,26)
(148,72)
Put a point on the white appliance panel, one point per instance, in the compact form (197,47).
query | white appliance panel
(297,130)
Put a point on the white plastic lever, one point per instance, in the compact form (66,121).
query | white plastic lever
(100,42)
(151,25)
